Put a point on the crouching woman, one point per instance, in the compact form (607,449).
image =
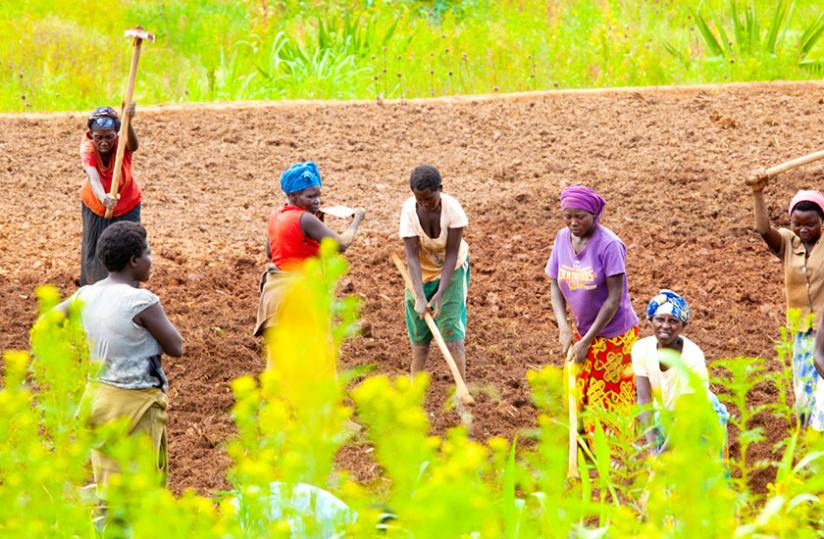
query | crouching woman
(660,378)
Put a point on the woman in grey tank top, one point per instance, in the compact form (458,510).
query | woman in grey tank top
(127,331)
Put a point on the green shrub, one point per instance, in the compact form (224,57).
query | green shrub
(292,421)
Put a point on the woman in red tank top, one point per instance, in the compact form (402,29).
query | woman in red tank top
(296,229)
(295,232)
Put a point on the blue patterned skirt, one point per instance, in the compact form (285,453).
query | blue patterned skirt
(808,406)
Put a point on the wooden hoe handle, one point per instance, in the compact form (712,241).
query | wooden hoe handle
(461,390)
(572,404)
(124,125)
(794,163)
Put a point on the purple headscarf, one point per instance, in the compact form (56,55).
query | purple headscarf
(582,198)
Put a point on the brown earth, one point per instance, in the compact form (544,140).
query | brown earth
(670,163)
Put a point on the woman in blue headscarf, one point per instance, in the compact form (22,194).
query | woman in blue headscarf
(297,228)
(295,232)
(664,364)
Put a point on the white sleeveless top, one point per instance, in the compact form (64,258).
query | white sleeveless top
(126,350)
(668,385)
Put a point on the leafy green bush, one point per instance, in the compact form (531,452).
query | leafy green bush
(294,418)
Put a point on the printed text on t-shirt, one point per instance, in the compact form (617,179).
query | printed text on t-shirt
(577,278)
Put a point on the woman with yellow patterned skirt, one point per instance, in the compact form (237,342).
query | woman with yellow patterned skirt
(587,270)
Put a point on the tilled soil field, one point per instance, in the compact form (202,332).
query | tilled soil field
(669,162)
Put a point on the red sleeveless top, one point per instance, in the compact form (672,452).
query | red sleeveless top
(287,243)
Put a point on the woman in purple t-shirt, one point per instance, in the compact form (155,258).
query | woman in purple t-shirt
(587,269)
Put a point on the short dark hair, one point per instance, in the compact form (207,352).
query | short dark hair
(425,177)
(119,243)
(806,205)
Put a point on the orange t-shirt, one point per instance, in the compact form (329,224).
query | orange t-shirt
(127,189)
(287,243)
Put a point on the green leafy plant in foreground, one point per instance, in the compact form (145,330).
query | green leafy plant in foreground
(293,420)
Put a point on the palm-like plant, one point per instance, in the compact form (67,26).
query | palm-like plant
(746,38)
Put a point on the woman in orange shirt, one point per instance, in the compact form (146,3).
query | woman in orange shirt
(97,152)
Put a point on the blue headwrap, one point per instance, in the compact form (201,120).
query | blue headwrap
(300,176)
(668,302)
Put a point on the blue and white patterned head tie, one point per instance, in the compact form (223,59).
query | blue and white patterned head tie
(668,302)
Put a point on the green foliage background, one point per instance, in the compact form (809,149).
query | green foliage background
(67,55)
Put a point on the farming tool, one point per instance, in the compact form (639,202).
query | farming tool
(339,211)
(139,34)
(786,166)
(461,391)
(572,404)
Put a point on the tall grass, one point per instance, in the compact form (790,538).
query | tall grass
(71,55)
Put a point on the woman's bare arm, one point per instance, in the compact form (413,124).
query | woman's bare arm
(559,308)
(768,232)
(317,230)
(154,319)
(413,261)
(644,392)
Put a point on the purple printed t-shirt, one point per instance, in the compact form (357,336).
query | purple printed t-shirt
(583,279)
